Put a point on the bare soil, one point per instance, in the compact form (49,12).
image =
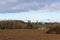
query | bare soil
(27,34)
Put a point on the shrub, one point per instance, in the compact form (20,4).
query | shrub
(55,29)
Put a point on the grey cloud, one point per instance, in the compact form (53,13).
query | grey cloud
(12,6)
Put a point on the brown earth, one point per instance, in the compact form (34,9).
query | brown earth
(27,34)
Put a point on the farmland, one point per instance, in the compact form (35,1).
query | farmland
(27,34)
(20,30)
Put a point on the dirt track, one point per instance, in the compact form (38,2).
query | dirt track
(26,34)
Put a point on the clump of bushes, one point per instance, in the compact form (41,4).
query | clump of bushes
(54,29)
(12,24)
(15,25)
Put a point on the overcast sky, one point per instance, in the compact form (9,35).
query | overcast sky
(34,10)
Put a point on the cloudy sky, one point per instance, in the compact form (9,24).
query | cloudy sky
(34,10)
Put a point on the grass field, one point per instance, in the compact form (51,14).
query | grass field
(27,34)
(41,25)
